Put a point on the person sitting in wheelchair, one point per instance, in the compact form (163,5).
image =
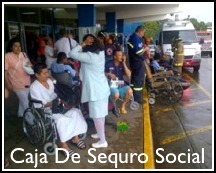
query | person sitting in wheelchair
(115,70)
(70,124)
(62,66)
(156,67)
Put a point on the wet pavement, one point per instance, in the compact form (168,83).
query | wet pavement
(186,127)
(182,128)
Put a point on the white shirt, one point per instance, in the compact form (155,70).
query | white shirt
(63,45)
(39,92)
(49,53)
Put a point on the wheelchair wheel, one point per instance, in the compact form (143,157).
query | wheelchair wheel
(134,105)
(82,136)
(152,101)
(175,90)
(49,148)
(33,126)
(152,95)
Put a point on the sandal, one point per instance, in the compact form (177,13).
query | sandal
(81,145)
(70,152)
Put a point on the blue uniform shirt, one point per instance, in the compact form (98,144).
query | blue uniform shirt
(117,70)
(135,48)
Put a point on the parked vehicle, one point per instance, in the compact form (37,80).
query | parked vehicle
(205,40)
(152,49)
(184,29)
(206,48)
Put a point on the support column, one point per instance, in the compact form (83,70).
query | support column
(120,31)
(120,25)
(110,22)
(86,19)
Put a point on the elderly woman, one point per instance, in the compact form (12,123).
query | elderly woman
(69,125)
(16,78)
(95,88)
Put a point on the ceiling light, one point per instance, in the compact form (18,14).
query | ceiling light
(28,13)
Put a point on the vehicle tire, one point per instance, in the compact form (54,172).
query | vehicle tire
(197,68)
(49,148)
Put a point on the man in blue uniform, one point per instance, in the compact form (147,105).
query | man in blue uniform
(136,58)
(115,70)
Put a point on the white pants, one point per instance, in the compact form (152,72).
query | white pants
(23,101)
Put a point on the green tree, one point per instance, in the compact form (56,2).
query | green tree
(195,23)
(209,24)
(202,26)
(151,29)
(199,26)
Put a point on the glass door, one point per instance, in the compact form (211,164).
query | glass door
(30,35)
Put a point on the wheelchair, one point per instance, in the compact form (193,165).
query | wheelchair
(133,104)
(163,85)
(38,124)
(65,78)
(40,128)
(170,70)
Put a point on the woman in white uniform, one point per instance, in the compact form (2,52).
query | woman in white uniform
(69,125)
(95,88)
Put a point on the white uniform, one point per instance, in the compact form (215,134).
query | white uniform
(63,45)
(70,124)
(95,88)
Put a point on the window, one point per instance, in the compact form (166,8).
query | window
(46,16)
(188,36)
(29,15)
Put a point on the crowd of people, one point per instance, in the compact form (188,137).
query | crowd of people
(96,61)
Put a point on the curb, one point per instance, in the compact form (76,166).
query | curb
(147,138)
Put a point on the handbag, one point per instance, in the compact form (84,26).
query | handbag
(60,106)
(57,107)
(27,68)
